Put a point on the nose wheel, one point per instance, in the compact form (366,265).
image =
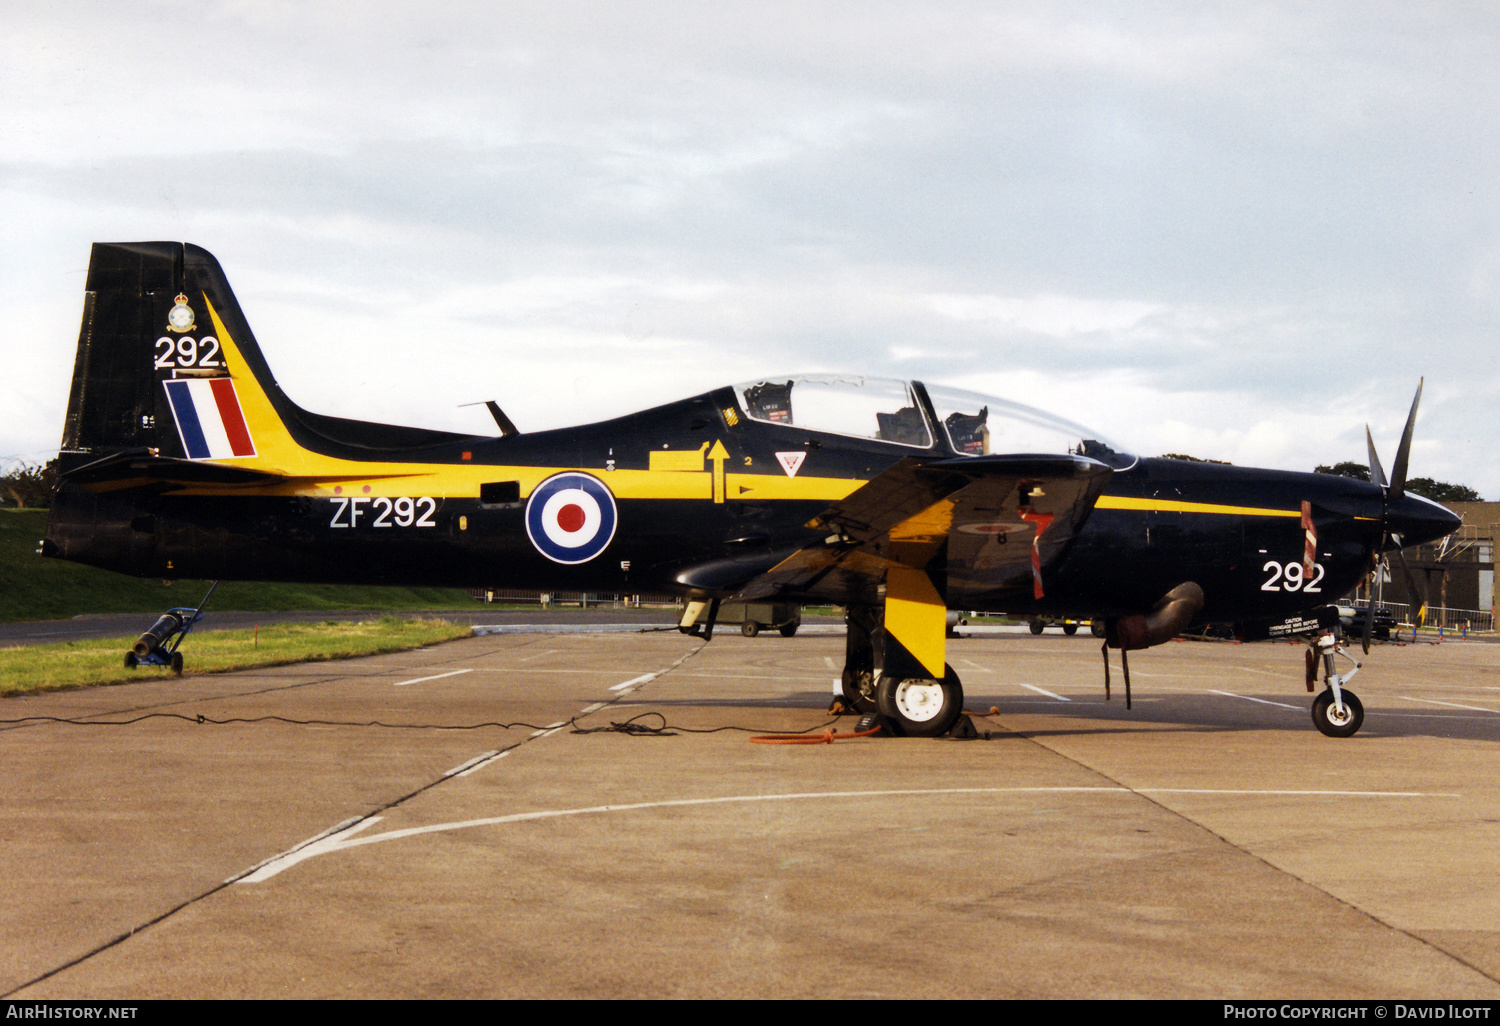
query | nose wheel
(1341,718)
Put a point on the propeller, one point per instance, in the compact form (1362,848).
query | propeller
(1394,490)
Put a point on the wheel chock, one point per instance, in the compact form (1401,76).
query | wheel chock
(963,729)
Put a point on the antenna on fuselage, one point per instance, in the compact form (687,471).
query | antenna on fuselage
(501,420)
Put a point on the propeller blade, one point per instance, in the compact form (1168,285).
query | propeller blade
(1377,472)
(1413,590)
(1369,618)
(1403,452)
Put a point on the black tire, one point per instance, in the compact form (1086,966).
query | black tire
(859,690)
(788,629)
(749,628)
(1037,626)
(920,708)
(1327,720)
(1070,629)
(1097,628)
(177,663)
(131,662)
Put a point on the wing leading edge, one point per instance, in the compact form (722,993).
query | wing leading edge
(972,524)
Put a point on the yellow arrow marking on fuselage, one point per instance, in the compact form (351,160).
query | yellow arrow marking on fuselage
(718,454)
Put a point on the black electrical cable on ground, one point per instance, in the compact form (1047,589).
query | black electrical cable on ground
(626,727)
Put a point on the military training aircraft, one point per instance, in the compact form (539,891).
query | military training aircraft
(183,458)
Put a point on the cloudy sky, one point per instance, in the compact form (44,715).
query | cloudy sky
(1240,231)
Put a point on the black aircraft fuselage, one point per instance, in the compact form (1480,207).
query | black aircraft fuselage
(182,457)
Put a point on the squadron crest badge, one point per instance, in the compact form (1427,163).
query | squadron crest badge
(180,319)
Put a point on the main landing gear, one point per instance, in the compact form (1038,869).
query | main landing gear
(920,708)
(907,706)
(1336,711)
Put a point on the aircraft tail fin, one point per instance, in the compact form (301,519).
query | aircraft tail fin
(167,364)
(152,371)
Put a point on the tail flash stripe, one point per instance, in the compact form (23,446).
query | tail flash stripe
(234,420)
(209,419)
(188,425)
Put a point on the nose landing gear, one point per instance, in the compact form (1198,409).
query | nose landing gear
(1337,711)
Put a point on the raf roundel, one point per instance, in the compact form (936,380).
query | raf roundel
(571,517)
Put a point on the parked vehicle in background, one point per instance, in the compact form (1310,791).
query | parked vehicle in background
(1352,621)
(754,617)
(1069,626)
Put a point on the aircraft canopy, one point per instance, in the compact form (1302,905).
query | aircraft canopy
(890,410)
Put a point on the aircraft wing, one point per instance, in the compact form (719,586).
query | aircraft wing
(987,522)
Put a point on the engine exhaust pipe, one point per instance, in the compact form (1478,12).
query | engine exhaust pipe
(157,633)
(1166,620)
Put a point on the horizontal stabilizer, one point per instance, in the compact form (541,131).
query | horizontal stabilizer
(143,468)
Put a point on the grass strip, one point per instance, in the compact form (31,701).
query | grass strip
(78,664)
(34,588)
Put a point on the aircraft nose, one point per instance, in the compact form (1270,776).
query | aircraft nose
(1419,520)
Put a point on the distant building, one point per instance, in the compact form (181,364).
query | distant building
(1459,571)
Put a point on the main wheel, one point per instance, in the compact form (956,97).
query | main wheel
(788,629)
(858,687)
(1333,723)
(749,628)
(1037,626)
(913,707)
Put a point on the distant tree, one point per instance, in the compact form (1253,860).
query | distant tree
(1438,491)
(1358,471)
(28,484)
(1441,491)
(1193,459)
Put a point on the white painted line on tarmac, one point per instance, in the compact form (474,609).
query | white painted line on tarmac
(460,769)
(1262,701)
(1451,705)
(1257,669)
(435,676)
(332,842)
(493,757)
(644,678)
(1043,691)
(347,828)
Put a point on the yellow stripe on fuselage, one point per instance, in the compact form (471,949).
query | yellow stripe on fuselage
(1176,506)
(309,473)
